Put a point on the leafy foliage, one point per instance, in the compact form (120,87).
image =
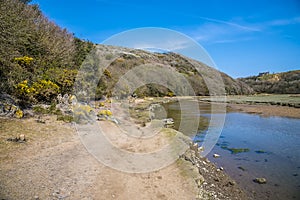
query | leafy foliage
(42,90)
(278,83)
(34,48)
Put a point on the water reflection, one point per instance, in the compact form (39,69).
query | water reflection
(253,146)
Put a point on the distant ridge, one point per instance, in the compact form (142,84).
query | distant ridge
(275,83)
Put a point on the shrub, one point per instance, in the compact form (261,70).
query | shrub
(42,90)
(104,113)
(107,73)
(25,60)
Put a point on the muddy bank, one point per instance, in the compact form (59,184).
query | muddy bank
(266,110)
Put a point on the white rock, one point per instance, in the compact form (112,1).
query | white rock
(216,155)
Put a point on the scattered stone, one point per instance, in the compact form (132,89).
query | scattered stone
(241,168)
(260,180)
(143,124)
(21,138)
(168,122)
(40,120)
(216,179)
(216,155)
(200,149)
(230,183)
(194,147)
(36,197)
(199,181)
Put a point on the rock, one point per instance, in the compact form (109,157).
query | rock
(28,113)
(168,121)
(260,180)
(194,147)
(36,197)
(22,137)
(200,149)
(216,155)
(199,181)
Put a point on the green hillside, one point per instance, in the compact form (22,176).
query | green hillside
(276,83)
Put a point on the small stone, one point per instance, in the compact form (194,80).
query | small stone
(113,196)
(216,155)
(221,168)
(200,149)
(199,181)
(260,180)
(22,137)
(36,197)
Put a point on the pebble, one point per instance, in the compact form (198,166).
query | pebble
(36,197)
(260,180)
(216,155)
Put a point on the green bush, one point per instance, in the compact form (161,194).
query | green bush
(42,90)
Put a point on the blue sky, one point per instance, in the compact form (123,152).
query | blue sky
(242,37)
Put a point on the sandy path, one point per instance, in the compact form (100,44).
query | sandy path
(53,164)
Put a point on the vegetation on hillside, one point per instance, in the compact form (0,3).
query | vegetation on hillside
(277,83)
(39,60)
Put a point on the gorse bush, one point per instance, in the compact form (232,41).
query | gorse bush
(33,48)
(43,90)
(25,60)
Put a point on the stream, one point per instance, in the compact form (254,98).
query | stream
(252,146)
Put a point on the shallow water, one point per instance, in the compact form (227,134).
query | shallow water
(272,151)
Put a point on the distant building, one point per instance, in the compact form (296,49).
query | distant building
(263,73)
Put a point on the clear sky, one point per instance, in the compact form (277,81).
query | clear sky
(242,37)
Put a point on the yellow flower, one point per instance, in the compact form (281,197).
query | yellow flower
(19,114)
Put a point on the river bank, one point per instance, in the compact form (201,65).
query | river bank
(53,164)
(265,110)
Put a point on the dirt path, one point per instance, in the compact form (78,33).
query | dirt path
(57,166)
(53,164)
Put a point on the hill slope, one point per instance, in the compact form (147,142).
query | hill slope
(128,59)
(39,60)
(277,83)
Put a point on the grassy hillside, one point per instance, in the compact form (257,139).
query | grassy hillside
(39,60)
(277,83)
(131,58)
